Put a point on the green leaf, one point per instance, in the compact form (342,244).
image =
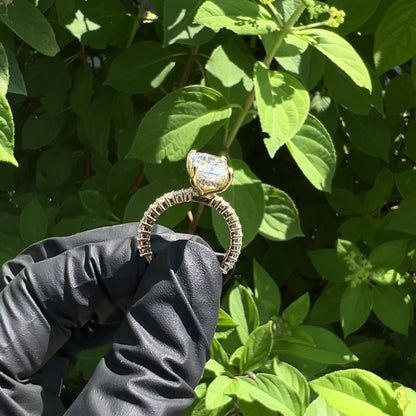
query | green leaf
(345,92)
(344,202)
(388,255)
(326,347)
(355,307)
(229,70)
(399,95)
(266,290)
(406,398)
(147,194)
(283,105)
(225,323)
(186,118)
(403,219)
(244,311)
(405,181)
(219,354)
(281,218)
(4,70)
(297,311)
(293,378)
(6,132)
(319,407)
(257,348)
(95,202)
(357,392)
(244,18)
(273,393)
(140,68)
(314,153)
(40,130)
(33,222)
(246,196)
(389,305)
(81,25)
(24,19)
(178,24)
(16,81)
(395,28)
(82,89)
(329,264)
(215,393)
(326,308)
(370,134)
(340,52)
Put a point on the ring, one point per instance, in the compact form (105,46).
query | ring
(209,175)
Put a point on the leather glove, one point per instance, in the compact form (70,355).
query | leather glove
(63,295)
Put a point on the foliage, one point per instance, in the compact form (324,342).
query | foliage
(314,104)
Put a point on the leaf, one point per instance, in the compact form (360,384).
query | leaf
(329,264)
(319,407)
(266,290)
(293,378)
(140,68)
(219,354)
(326,347)
(33,222)
(245,195)
(186,118)
(283,105)
(24,19)
(389,305)
(357,392)
(388,255)
(244,18)
(16,81)
(281,218)
(215,396)
(82,89)
(257,348)
(340,52)
(345,92)
(344,202)
(145,195)
(81,25)
(370,134)
(273,393)
(326,308)
(6,132)
(95,202)
(178,24)
(244,311)
(314,153)
(395,29)
(41,130)
(403,219)
(355,308)
(4,70)
(406,398)
(399,95)
(229,70)
(297,311)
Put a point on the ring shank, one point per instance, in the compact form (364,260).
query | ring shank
(190,195)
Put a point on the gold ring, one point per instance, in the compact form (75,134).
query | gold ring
(209,175)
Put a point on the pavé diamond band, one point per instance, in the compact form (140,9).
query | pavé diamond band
(209,175)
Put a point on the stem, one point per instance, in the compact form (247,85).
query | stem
(187,72)
(281,34)
(195,221)
(137,22)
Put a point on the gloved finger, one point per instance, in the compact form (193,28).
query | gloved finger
(162,346)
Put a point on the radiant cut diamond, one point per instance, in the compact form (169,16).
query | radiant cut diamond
(209,174)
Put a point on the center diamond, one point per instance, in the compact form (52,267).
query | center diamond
(209,174)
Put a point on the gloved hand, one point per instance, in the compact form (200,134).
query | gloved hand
(66,294)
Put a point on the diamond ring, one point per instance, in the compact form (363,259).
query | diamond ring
(209,175)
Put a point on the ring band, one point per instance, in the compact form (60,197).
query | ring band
(209,175)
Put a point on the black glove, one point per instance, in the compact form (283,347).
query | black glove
(66,294)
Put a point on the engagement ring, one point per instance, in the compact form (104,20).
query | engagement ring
(209,175)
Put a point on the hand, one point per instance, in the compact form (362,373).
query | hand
(66,294)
